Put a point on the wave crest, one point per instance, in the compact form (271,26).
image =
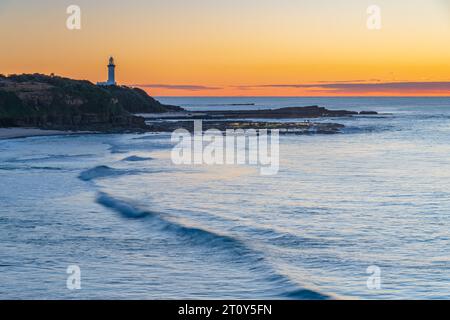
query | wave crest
(235,249)
(137,159)
(103,172)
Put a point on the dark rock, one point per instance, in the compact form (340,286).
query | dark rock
(304,127)
(51,102)
(282,113)
(368,113)
(136,100)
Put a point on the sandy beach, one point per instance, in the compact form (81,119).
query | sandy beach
(12,133)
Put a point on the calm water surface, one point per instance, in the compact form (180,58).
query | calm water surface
(378,194)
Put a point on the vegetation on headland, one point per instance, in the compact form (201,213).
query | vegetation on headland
(52,102)
(136,100)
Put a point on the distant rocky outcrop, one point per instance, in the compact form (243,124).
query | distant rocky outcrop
(282,113)
(52,102)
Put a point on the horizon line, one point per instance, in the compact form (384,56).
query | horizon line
(343,96)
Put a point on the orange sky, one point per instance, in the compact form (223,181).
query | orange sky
(236,48)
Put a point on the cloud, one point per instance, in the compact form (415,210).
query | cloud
(361,87)
(350,81)
(176,87)
(354,87)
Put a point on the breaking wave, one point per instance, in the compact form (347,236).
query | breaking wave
(58,157)
(104,172)
(235,249)
(11,168)
(136,159)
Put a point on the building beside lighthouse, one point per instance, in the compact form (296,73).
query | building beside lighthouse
(111,74)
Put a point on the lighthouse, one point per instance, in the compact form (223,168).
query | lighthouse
(111,74)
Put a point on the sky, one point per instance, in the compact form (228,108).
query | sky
(236,47)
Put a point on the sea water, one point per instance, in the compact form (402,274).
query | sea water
(374,197)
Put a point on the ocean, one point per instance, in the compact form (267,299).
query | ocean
(363,214)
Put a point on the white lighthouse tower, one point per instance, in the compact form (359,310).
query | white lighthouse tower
(111,74)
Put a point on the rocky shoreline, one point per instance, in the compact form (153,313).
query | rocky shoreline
(304,127)
(309,112)
(67,105)
(248,119)
(16,133)
(57,103)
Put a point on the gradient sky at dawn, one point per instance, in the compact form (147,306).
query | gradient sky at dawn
(238,48)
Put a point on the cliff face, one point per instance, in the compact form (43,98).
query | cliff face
(136,100)
(60,103)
